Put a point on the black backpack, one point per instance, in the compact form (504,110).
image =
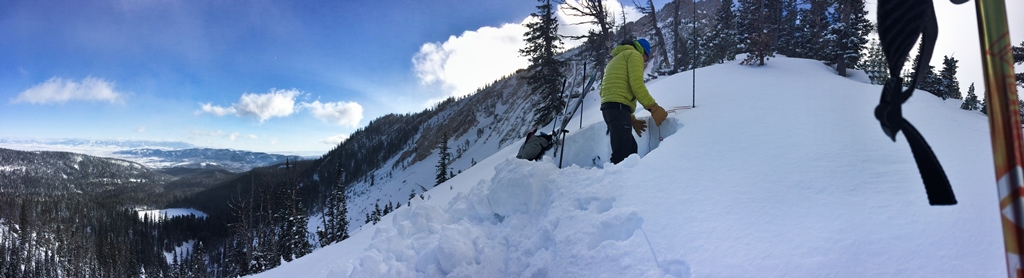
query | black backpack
(535,146)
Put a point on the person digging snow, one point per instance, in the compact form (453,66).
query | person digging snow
(622,86)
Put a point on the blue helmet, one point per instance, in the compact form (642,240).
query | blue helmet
(645,45)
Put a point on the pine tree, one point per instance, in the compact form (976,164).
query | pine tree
(874,64)
(443,161)
(724,34)
(335,220)
(949,86)
(984,106)
(847,36)
(971,101)
(759,21)
(376,213)
(815,21)
(927,81)
(545,79)
(197,261)
(790,32)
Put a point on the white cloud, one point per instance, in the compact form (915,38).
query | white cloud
(233,136)
(335,140)
(59,90)
(217,110)
(275,103)
(141,129)
(469,61)
(339,113)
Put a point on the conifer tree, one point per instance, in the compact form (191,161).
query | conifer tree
(949,86)
(874,64)
(816,22)
(545,78)
(984,106)
(724,35)
(971,101)
(443,161)
(335,220)
(847,36)
(758,21)
(927,81)
(789,30)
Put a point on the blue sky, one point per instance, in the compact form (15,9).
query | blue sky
(275,76)
(255,75)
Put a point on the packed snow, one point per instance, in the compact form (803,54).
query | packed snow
(779,171)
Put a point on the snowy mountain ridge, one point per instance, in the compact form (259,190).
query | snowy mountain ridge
(780,170)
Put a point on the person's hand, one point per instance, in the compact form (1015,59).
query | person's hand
(658,113)
(639,126)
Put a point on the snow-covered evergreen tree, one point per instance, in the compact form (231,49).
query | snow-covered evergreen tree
(816,22)
(790,32)
(334,227)
(847,36)
(444,159)
(545,77)
(723,42)
(874,64)
(927,81)
(758,20)
(971,101)
(949,87)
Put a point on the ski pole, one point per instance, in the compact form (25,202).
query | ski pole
(1005,126)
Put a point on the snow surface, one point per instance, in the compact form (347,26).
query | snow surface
(160,214)
(780,171)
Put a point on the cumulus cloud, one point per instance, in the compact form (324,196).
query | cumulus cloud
(60,90)
(335,140)
(339,113)
(469,61)
(275,103)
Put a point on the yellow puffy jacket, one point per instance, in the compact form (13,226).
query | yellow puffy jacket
(624,79)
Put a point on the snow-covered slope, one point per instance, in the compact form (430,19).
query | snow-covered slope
(780,171)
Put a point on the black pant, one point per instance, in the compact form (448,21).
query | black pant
(620,129)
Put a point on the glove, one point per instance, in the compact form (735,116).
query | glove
(639,126)
(658,113)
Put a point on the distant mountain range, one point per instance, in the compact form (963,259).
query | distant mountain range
(204,158)
(87,144)
(154,154)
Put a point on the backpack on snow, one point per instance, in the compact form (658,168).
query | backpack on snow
(535,146)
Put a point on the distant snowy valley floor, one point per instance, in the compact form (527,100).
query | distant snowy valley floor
(780,171)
